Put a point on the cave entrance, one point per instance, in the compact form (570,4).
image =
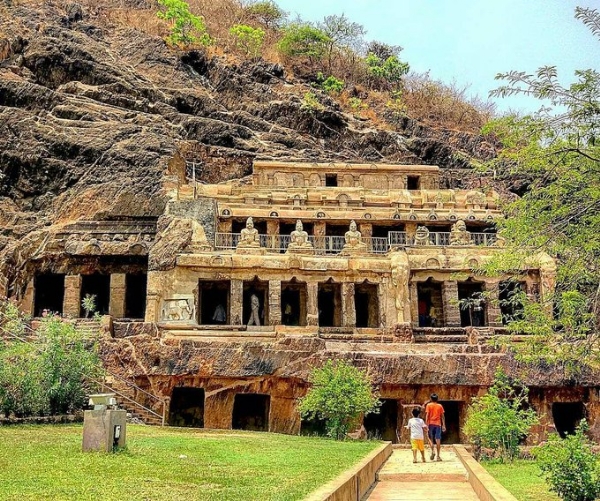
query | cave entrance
(313,427)
(472,305)
(566,416)
(366,303)
(187,407)
(99,286)
(49,294)
(508,296)
(329,300)
(452,410)
(293,303)
(383,426)
(135,295)
(259,289)
(213,302)
(430,304)
(251,412)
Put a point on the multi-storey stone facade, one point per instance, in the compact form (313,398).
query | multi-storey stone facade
(244,286)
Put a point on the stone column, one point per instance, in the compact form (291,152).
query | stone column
(236,304)
(71,302)
(27,305)
(312,303)
(348,306)
(116,305)
(450,302)
(273,232)
(319,232)
(218,409)
(274,302)
(366,231)
(153,296)
(414,304)
(494,313)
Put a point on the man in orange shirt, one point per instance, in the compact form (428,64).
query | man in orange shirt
(436,424)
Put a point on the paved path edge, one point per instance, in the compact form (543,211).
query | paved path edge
(485,486)
(354,483)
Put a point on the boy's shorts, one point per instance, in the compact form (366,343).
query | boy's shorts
(418,444)
(435,432)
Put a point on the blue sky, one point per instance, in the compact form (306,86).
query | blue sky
(469,41)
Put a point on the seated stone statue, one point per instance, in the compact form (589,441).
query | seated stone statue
(459,234)
(422,236)
(299,241)
(353,241)
(249,235)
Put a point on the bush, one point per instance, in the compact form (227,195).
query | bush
(386,73)
(330,84)
(267,13)
(248,39)
(500,419)
(311,103)
(303,40)
(186,28)
(569,466)
(340,393)
(51,375)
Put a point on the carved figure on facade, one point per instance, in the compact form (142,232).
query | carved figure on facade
(353,241)
(177,310)
(299,241)
(254,310)
(459,234)
(422,236)
(249,239)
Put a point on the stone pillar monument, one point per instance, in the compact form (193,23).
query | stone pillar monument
(71,302)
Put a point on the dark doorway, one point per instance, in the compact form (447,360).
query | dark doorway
(430,304)
(251,412)
(49,290)
(383,231)
(331,180)
(567,416)
(313,427)
(383,426)
(330,304)
(413,183)
(336,230)
(509,298)
(135,295)
(238,224)
(293,303)
(213,301)
(366,302)
(471,304)
(260,289)
(98,286)
(187,407)
(452,415)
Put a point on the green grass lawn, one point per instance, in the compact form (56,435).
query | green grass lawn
(46,462)
(522,479)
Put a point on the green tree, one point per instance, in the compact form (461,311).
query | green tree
(248,39)
(88,303)
(556,153)
(386,74)
(267,13)
(499,419)
(342,33)
(303,40)
(339,394)
(186,28)
(569,466)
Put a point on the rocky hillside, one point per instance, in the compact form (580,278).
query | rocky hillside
(92,116)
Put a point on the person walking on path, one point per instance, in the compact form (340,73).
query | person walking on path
(436,424)
(417,438)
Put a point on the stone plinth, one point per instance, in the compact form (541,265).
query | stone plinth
(99,428)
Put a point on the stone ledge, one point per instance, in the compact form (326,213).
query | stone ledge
(485,486)
(354,483)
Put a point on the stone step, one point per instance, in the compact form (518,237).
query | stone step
(441,338)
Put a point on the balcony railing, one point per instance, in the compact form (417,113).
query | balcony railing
(333,244)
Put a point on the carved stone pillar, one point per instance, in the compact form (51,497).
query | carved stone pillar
(274,302)
(236,304)
(494,313)
(414,304)
(319,234)
(450,302)
(273,233)
(27,304)
(312,306)
(348,305)
(116,305)
(71,302)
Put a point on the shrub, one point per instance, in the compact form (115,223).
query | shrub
(340,393)
(499,419)
(311,103)
(356,104)
(331,84)
(248,39)
(88,303)
(186,28)
(51,375)
(386,73)
(303,40)
(267,13)
(569,466)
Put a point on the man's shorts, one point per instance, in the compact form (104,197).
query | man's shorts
(435,432)
(418,444)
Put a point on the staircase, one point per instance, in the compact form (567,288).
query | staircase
(441,335)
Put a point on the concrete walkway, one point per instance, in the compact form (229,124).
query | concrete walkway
(401,480)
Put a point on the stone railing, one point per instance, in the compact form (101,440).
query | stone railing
(326,245)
